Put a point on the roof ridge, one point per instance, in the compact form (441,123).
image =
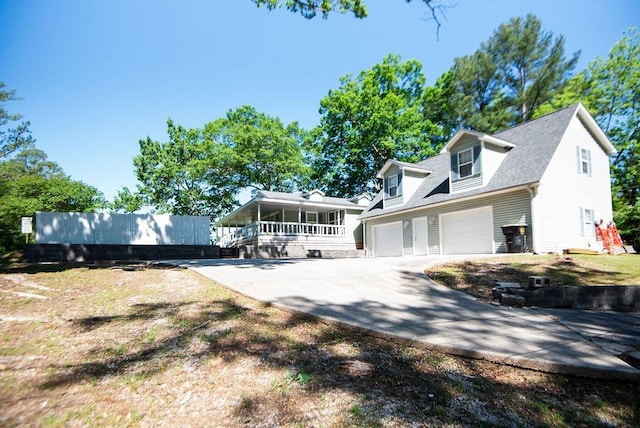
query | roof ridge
(574,106)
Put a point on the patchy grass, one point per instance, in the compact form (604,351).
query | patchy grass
(478,277)
(163,346)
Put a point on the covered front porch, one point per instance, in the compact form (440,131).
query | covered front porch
(310,222)
(275,218)
(269,220)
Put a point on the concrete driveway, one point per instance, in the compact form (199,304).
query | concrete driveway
(392,296)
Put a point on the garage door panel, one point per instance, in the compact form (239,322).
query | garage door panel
(387,240)
(468,232)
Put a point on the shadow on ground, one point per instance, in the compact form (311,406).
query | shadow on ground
(414,386)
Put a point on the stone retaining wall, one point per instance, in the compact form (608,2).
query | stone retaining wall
(597,298)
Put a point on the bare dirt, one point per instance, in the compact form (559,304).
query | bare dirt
(153,345)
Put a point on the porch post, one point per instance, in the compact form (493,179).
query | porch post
(258,222)
(299,220)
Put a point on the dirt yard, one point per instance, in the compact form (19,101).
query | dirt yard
(160,346)
(478,277)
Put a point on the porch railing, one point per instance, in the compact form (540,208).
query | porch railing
(282,229)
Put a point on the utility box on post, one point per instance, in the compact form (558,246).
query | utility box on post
(515,238)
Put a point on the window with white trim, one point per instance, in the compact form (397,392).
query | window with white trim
(584,161)
(312,217)
(465,163)
(335,217)
(392,186)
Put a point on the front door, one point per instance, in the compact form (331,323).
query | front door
(420,236)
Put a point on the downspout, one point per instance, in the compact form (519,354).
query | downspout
(533,192)
(364,238)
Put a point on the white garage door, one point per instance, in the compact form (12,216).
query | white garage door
(468,232)
(387,240)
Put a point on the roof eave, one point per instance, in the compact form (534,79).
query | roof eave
(480,136)
(595,129)
(402,167)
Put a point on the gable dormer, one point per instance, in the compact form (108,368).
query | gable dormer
(315,195)
(475,157)
(400,180)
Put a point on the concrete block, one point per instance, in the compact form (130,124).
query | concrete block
(511,300)
(539,281)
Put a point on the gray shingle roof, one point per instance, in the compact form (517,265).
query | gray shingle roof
(297,197)
(535,144)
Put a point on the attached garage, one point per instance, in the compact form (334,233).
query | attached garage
(387,239)
(468,232)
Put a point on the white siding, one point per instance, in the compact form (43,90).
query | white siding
(121,229)
(492,157)
(353,228)
(563,191)
(410,183)
(508,208)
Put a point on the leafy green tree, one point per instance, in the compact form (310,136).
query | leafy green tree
(519,68)
(30,182)
(531,63)
(127,201)
(311,8)
(187,175)
(366,121)
(477,94)
(267,155)
(200,171)
(13,137)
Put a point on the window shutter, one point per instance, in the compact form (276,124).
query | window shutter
(589,160)
(386,187)
(477,164)
(399,184)
(454,167)
(579,160)
(581,221)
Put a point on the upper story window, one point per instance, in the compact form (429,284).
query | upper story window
(584,161)
(465,163)
(392,186)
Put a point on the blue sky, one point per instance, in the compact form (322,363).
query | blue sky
(98,76)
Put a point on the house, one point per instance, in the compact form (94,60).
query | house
(539,186)
(278,224)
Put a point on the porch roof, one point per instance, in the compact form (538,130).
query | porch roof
(292,200)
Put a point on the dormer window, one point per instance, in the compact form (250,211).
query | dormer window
(400,180)
(465,163)
(392,186)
